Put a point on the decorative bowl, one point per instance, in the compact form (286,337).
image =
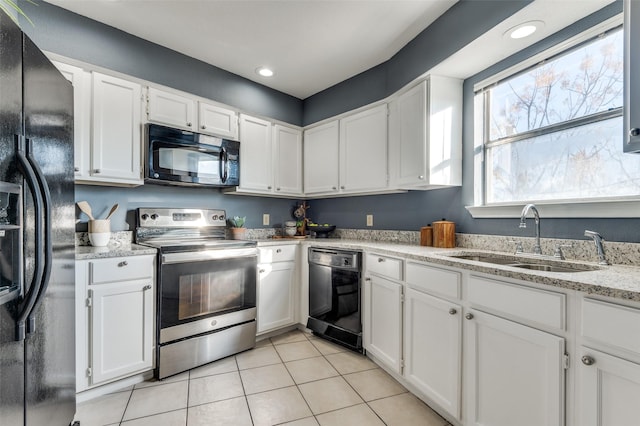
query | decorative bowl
(322,231)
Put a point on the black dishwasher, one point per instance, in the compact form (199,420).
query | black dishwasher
(334,295)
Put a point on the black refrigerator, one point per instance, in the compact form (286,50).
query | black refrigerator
(37,212)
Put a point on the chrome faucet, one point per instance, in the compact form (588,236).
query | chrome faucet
(523,224)
(597,239)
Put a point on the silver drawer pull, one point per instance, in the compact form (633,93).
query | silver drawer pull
(279,251)
(469,316)
(380,259)
(123,263)
(452,311)
(587,360)
(262,271)
(147,287)
(96,171)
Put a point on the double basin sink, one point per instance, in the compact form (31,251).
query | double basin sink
(535,264)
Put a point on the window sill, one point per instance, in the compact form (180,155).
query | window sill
(627,208)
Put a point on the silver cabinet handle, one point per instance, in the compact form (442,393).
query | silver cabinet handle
(634,132)
(469,316)
(453,311)
(261,271)
(204,127)
(587,360)
(420,177)
(367,279)
(189,124)
(342,187)
(76,169)
(123,263)
(380,260)
(147,287)
(269,187)
(334,188)
(278,250)
(96,171)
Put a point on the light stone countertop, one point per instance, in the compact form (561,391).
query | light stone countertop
(112,250)
(618,281)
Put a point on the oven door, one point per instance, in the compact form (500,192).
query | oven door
(205,291)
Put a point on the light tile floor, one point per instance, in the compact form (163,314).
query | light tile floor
(292,379)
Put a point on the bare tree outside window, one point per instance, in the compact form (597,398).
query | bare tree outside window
(554,130)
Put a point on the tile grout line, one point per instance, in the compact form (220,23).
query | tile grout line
(126,405)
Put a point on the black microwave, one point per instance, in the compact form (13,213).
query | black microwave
(180,157)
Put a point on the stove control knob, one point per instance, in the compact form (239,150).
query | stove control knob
(214,217)
(144,216)
(221,217)
(154,216)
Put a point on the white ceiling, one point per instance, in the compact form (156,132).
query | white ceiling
(312,44)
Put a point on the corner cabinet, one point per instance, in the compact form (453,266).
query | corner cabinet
(115,318)
(631,127)
(347,156)
(425,135)
(270,159)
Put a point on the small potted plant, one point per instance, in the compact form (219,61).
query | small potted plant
(237,229)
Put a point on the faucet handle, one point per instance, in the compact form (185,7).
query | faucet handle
(519,248)
(558,250)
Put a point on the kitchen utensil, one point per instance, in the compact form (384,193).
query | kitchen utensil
(444,234)
(426,236)
(112,211)
(85,208)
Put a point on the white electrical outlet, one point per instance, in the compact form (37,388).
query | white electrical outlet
(369,220)
(265,219)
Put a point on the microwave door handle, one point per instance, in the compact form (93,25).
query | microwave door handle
(224,164)
(30,298)
(46,236)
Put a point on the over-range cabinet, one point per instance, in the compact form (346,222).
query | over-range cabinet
(37,339)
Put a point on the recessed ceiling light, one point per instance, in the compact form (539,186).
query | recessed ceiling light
(524,30)
(264,71)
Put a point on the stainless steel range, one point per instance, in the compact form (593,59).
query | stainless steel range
(206,292)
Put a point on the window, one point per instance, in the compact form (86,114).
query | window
(553,132)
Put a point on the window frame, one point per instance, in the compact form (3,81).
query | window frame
(613,207)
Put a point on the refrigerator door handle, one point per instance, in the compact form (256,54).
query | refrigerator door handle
(30,297)
(46,236)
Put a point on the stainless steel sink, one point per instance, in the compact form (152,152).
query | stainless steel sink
(527,263)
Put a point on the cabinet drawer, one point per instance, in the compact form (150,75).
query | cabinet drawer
(283,253)
(611,324)
(385,266)
(546,308)
(433,280)
(121,269)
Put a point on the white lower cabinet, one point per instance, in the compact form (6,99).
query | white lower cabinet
(276,287)
(383,300)
(121,329)
(433,348)
(609,391)
(114,318)
(515,374)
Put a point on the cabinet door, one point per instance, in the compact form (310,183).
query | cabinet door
(384,304)
(121,329)
(81,81)
(408,137)
(170,109)
(217,121)
(631,127)
(363,150)
(609,390)
(515,374)
(255,154)
(116,131)
(287,160)
(276,295)
(321,159)
(433,348)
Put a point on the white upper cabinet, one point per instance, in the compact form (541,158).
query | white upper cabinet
(81,81)
(287,160)
(255,154)
(218,121)
(363,150)
(116,130)
(347,156)
(425,135)
(171,109)
(321,159)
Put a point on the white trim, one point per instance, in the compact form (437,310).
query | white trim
(558,48)
(615,208)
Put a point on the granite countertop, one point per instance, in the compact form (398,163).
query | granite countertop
(618,281)
(112,250)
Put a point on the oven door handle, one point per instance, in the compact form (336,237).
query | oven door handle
(205,255)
